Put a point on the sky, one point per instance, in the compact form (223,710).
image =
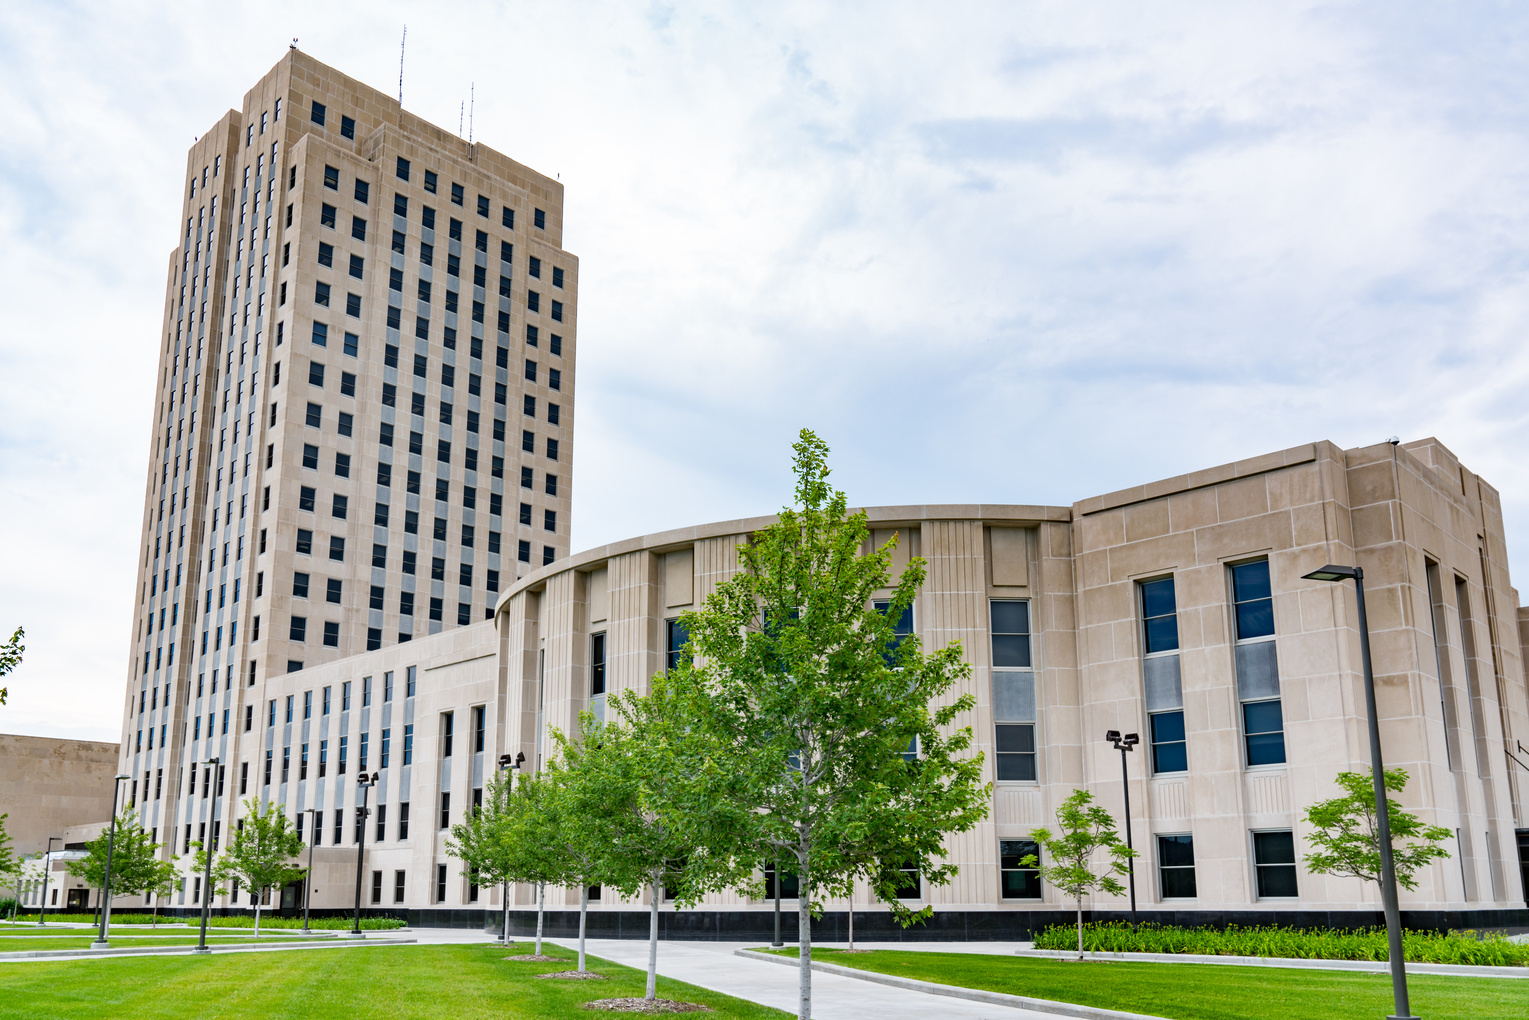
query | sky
(1005,253)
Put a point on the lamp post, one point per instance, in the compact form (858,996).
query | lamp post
(313,830)
(506,762)
(47,866)
(366,783)
(1335,572)
(111,835)
(201,945)
(1124,744)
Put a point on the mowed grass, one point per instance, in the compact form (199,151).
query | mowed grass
(459,982)
(1188,991)
(36,944)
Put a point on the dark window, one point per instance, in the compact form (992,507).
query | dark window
(300,585)
(1015,748)
(353,305)
(533,301)
(551,449)
(310,455)
(557,311)
(552,485)
(331,178)
(1176,866)
(358,228)
(315,416)
(553,412)
(304,541)
(554,379)
(1020,879)
(299,629)
(342,465)
(363,190)
(457,194)
(326,258)
(597,664)
(548,554)
(507,218)
(400,205)
(437,608)
(411,522)
(482,205)
(676,638)
(305,497)
(1010,626)
(527,439)
(317,116)
(337,548)
(1263,727)
(1274,860)
(1169,752)
(430,181)
(341,506)
(379,555)
(1255,604)
(315,374)
(557,277)
(403,169)
(326,215)
(523,551)
(332,635)
(534,267)
(380,515)
(347,387)
(539,218)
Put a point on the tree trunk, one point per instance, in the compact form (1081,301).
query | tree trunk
(852,915)
(652,992)
(257,915)
(1080,927)
(804,947)
(583,912)
(541,909)
(154,918)
(504,932)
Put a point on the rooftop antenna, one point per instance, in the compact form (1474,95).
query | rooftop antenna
(472,90)
(461,113)
(401,44)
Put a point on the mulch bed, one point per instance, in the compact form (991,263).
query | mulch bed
(646,1006)
(534,958)
(575,975)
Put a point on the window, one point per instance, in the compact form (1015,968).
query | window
(790,884)
(331,178)
(482,205)
(1160,671)
(344,703)
(317,116)
(552,485)
(381,834)
(507,217)
(901,630)
(457,194)
(1017,879)
(445,814)
(377,883)
(304,540)
(326,215)
(398,876)
(1013,690)
(403,169)
(315,374)
(539,218)
(358,228)
(299,629)
(326,258)
(1274,861)
(677,637)
(337,548)
(300,585)
(347,421)
(430,181)
(306,496)
(1257,664)
(363,189)
(549,523)
(310,455)
(479,725)
(440,869)
(1176,866)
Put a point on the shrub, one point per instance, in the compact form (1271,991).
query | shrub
(1463,947)
(321,923)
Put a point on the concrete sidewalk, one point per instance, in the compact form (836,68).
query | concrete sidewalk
(712,965)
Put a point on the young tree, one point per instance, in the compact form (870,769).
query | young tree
(1345,840)
(648,786)
(10,864)
(819,701)
(1084,828)
(163,881)
(133,857)
(261,854)
(479,841)
(10,658)
(574,831)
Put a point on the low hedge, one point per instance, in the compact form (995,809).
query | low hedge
(322,923)
(1463,947)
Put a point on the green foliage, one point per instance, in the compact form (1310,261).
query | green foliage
(1085,828)
(287,923)
(10,863)
(482,841)
(1466,947)
(10,657)
(260,855)
(1345,840)
(134,864)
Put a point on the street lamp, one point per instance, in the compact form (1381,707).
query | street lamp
(1124,744)
(313,830)
(201,946)
(111,835)
(366,783)
(1334,572)
(506,762)
(47,866)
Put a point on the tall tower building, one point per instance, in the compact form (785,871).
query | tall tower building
(364,421)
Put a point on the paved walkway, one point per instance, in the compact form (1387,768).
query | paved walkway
(711,965)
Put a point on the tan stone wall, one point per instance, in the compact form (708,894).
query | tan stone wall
(50,786)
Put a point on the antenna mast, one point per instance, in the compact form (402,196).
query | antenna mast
(401,44)
(471,99)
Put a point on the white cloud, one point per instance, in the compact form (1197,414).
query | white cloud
(992,252)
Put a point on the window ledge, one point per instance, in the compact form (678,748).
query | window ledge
(1281,768)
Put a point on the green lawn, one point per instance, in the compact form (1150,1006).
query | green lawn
(53,941)
(459,982)
(1188,991)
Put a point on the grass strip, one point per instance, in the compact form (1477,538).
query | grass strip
(1187,991)
(460,982)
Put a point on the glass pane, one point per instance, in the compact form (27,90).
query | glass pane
(1021,885)
(1012,851)
(1176,851)
(1251,581)
(1178,883)
(1278,880)
(1016,738)
(1266,749)
(1262,717)
(1167,726)
(1157,598)
(1011,650)
(1162,633)
(1255,619)
(1016,767)
(1010,617)
(1170,757)
(1274,848)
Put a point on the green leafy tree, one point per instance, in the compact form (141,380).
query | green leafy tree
(648,780)
(10,863)
(1085,828)
(133,859)
(576,833)
(479,841)
(164,879)
(261,854)
(818,702)
(10,658)
(528,843)
(1345,840)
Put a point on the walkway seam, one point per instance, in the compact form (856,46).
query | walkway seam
(1364,966)
(956,992)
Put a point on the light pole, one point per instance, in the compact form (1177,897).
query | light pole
(366,783)
(201,946)
(1335,572)
(506,762)
(1124,744)
(111,835)
(313,829)
(47,866)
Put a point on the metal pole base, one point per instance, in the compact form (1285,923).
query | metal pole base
(354,935)
(201,950)
(100,944)
(1409,1016)
(777,945)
